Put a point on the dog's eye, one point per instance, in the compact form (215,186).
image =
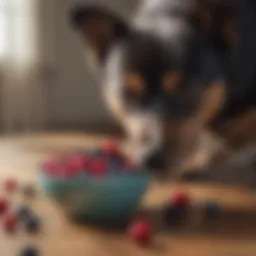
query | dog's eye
(171,81)
(135,83)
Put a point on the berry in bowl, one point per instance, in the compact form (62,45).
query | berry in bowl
(98,186)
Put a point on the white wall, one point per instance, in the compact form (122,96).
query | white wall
(72,96)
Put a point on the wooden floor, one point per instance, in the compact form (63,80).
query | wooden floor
(234,234)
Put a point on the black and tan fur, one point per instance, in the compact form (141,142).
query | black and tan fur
(168,76)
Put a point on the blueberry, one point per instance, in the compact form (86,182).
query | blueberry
(212,209)
(29,251)
(29,191)
(24,212)
(120,159)
(116,166)
(96,153)
(32,224)
(172,214)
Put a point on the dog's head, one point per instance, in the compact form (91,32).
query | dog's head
(153,74)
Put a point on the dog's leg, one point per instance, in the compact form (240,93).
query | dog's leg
(199,147)
(241,130)
(144,135)
(237,169)
(240,133)
(208,148)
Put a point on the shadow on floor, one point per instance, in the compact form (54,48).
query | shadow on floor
(231,223)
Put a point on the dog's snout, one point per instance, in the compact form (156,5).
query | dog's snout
(161,107)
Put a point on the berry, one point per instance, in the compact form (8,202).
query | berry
(71,170)
(176,208)
(4,205)
(24,212)
(50,168)
(99,167)
(172,214)
(79,162)
(51,164)
(29,251)
(10,222)
(29,191)
(140,232)
(96,153)
(11,185)
(32,224)
(181,199)
(116,165)
(111,148)
(212,209)
(64,171)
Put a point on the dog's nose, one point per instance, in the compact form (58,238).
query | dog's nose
(160,107)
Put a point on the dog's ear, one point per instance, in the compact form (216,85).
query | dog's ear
(100,27)
(218,17)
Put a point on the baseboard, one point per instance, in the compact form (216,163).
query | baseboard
(98,128)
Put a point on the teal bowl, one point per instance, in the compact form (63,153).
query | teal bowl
(109,200)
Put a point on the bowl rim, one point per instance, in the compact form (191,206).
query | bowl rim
(87,177)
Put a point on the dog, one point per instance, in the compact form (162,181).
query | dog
(167,76)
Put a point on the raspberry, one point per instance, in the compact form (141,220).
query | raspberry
(64,170)
(111,148)
(4,205)
(140,232)
(50,168)
(71,170)
(10,222)
(99,168)
(80,162)
(11,185)
(180,199)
